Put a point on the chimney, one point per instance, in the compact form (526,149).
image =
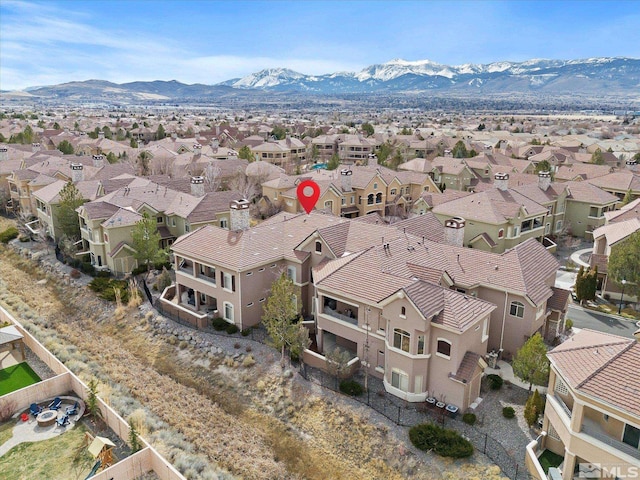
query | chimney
(215,143)
(197,186)
(35,147)
(98,161)
(448,153)
(501,181)
(4,154)
(373,160)
(232,155)
(174,135)
(544,180)
(77,172)
(454,231)
(100,134)
(345,177)
(239,213)
(197,149)
(632,165)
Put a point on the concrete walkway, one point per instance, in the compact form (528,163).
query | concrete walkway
(30,431)
(505,371)
(575,257)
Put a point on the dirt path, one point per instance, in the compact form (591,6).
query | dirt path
(244,420)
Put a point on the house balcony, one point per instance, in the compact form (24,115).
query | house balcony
(594,430)
(563,406)
(171,304)
(207,278)
(339,310)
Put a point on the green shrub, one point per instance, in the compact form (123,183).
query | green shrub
(508,412)
(351,387)
(9,234)
(88,268)
(245,332)
(219,324)
(103,273)
(104,287)
(161,265)
(231,329)
(568,324)
(446,443)
(495,381)
(469,418)
(139,270)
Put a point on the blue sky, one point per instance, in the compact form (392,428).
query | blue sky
(50,42)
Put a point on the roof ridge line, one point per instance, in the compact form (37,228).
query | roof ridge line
(598,370)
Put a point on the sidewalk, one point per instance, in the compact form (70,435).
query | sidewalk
(575,257)
(505,371)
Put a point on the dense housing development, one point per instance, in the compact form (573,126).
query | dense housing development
(430,256)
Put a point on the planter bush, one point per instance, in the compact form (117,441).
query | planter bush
(495,381)
(508,412)
(469,418)
(446,443)
(245,332)
(231,329)
(219,324)
(351,387)
(9,234)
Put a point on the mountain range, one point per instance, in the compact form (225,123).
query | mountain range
(605,77)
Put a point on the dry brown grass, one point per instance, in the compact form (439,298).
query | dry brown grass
(245,420)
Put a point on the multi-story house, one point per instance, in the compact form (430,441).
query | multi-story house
(355,191)
(398,289)
(496,219)
(288,154)
(356,149)
(621,182)
(592,413)
(106,224)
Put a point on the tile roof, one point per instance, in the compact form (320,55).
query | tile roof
(467,367)
(614,232)
(269,241)
(621,181)
(627,212)
(427,226)
(586,192)
(559,300)
(122,217)
(599,364)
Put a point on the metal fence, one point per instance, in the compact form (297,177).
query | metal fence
(409,414)
(401,412)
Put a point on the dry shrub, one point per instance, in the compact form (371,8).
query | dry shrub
(7,407)
(119,312)
(248,361)
(135,300)
(138,418)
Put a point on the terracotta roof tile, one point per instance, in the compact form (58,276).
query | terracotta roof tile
(467,368)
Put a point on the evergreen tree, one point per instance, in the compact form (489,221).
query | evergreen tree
(65,147)
(460,150)
(597,157)
(543,166)
(70,200)
(367,129)
(246,153)
(160,133)
(334,162)
(134,441)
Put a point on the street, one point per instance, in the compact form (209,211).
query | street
(601,322)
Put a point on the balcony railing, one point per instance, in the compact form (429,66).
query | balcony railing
(207,278)
(345,318)
(563,405)
(592,429)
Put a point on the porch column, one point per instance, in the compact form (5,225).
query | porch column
(568,465)
(319,339)
(576,416)
(197,300)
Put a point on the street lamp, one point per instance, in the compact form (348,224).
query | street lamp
(624,282)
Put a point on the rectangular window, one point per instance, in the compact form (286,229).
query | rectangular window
(343,201)
(444,347)
(229,281)
(516,309)
(173,222)
(228,312)
(203,298)
(401,339)
(420,344)
(400,380)
(224,223)
(291,273)
(187,228)
(631,436)
(160,219)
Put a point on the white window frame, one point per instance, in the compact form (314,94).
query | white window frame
(405,340)
(227,282)
(400,379)
(225,306)
(519,306)
(440,354)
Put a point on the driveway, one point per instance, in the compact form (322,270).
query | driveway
(602,322)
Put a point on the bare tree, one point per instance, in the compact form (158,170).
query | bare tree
(212,177)
(246,185)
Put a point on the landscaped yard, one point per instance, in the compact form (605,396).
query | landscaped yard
(17,377)
(6,430)
(549,459)
(65,456)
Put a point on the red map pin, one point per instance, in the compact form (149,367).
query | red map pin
(308,194)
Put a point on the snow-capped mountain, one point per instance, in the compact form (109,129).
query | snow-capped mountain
(593,75)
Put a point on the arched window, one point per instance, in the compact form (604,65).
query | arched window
(403,311)
(401,339)
(370,199)
(318,247)
(501,233)
(516,309)
(379,197)
(444,348)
